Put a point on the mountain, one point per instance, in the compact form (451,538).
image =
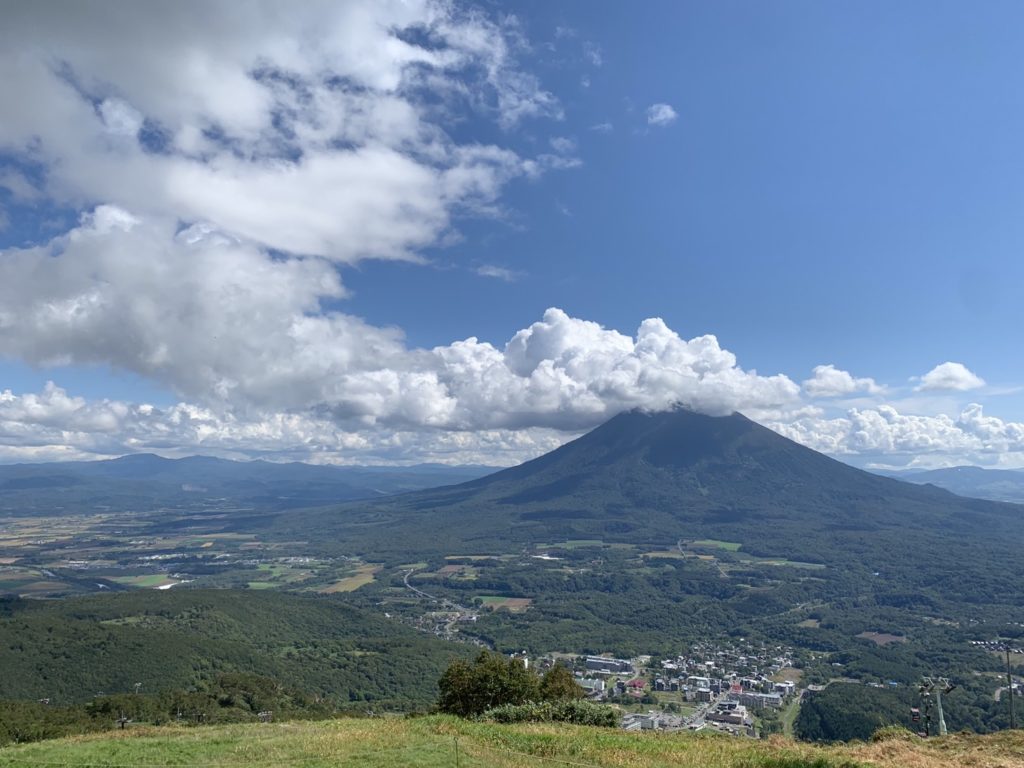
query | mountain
(149,480)
(656,530)
(658,477)
(977,482)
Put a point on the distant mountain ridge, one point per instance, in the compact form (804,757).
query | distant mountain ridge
(976,482)
(151,479)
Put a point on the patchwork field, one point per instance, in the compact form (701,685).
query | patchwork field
(69,554)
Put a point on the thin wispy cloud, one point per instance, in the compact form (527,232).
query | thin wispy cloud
(499,273)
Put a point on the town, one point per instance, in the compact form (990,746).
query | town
(735,688)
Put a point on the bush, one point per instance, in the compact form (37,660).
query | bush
(494,680)
(490,681)
(577,712)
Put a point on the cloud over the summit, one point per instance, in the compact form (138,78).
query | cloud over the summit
(229,161)
(224,323)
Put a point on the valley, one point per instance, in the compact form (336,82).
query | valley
(648,536)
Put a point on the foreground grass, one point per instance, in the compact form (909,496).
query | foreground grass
(431,742)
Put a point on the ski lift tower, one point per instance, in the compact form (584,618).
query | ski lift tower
(936,686)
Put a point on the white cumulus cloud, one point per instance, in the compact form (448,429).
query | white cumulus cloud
(829,381)
(313,129)
(886,435)
(954,376)
(227,324)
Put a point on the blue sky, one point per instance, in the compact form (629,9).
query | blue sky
(843,182)
(831,184)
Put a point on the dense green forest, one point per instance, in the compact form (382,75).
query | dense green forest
(846,711)
(71,651)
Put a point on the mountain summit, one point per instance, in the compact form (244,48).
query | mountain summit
(658,478)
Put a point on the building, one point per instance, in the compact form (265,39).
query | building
(591,684)
(755,700)
(729,713)
(607,666)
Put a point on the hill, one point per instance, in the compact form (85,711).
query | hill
(976,482)
(443,741)
(70,650)
(141,480)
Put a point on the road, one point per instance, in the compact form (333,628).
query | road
(434,598)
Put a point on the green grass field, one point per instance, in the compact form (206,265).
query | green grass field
(572,544)
(149,580)
(436,742)
(511,604)
(730,546)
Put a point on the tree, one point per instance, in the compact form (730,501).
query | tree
(490,681)
(558,684)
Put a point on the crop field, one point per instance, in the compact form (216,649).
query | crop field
(573,544)
(152,581)
(511,604)
(670,554)
(729,546)
(364,574)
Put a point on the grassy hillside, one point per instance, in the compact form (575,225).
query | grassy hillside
(431,742)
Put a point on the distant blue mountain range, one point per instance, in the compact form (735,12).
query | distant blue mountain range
(147,480)
(976,482)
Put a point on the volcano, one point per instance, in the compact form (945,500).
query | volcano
(660,478)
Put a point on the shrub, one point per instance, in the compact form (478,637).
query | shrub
(490,681)
(577,712)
